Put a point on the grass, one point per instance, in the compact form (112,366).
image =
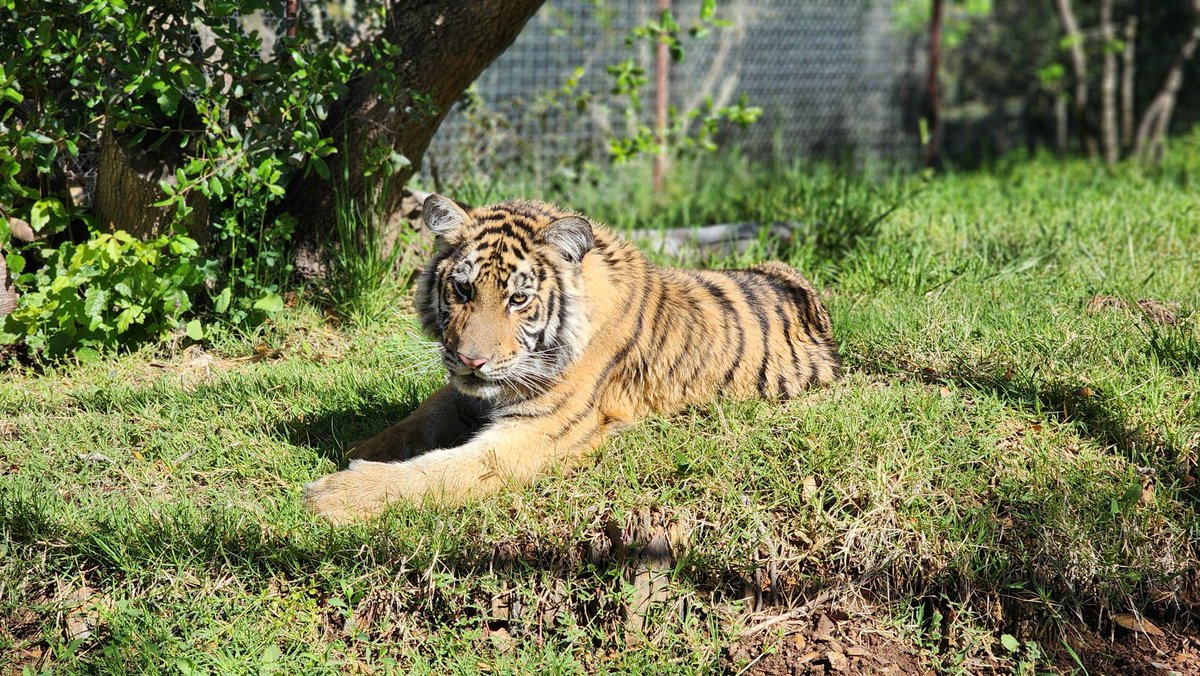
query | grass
(1004,456)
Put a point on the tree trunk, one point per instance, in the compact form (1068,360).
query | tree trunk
(20,232)
(444,45)
(1108,87)
(1127,72)
(1060,124)
(931,88)
(1152,132)
(8,294)
(127,187)
(1079,65)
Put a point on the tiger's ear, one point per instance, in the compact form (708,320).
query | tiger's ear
(443,215)
(571,236)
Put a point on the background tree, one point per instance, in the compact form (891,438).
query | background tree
(133,116)
(420,63)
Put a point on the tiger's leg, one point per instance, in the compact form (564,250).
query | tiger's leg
(504,453)
(446,418)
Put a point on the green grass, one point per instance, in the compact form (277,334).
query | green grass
(998,454)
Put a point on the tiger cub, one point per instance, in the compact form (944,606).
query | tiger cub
(555,331)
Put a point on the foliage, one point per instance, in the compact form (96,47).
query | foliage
(361,284)
(110,290)
(231,120)
(912,17)
(687,130)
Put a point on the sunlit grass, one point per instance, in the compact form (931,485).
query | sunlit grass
(1000,444)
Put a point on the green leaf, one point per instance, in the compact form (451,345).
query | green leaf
(194,330)
(399,161)
(39,215)
(95,303)
(221,304)
(15,262)
(87,355)
(320,166)
(1010,642)
(270,303)
(168,100)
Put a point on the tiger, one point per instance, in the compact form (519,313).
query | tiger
(556,332)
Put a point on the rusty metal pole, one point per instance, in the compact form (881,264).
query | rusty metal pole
(662,63)
(293,17)
(931,107)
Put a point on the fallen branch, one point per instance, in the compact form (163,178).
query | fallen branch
(721,239)
(794,614)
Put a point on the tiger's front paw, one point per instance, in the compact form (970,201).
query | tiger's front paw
(347,496)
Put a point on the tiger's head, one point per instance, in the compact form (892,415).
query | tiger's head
(503,294)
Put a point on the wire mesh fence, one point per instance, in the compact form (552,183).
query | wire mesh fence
(834,79)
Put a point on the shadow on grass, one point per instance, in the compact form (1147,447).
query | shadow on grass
(332,434)
(346,415)
(428,565)
(1175,346)
(1094,414)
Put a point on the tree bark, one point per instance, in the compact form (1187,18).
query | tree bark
(444,45)
(127,186)
(1108,87)
(8,294)
(1060,124)
(1079,99)
(1152,132)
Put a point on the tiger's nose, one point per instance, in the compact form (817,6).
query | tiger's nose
(472,362)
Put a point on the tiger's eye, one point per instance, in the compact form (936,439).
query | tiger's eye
(462,289)
(518,299)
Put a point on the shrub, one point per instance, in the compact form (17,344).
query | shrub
(109,290)
(187,81)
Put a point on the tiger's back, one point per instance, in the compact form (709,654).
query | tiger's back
(689,335)
(555,332)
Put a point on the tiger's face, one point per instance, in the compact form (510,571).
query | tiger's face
(503,296)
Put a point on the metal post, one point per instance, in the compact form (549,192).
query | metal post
(931,108)
(662,63)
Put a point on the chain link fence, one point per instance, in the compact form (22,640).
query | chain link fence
(834,79)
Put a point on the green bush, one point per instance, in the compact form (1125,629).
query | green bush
(110,290)
(188,81)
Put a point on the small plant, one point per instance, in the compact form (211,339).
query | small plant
(689,130)
(364,272)
(1026,655)
(107,291)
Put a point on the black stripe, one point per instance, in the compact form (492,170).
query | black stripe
(491,216)
(552,309)
(781,311)
(554,407)
(787,334)
(801,298)
(505,228)
(694,317)
(749,289)
(661,322)
(731,316)
(639,325)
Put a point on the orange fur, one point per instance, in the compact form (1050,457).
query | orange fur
(581,333)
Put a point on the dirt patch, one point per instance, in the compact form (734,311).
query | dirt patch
(829,643)
(832,642)
(1166,314)
(1171,649)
